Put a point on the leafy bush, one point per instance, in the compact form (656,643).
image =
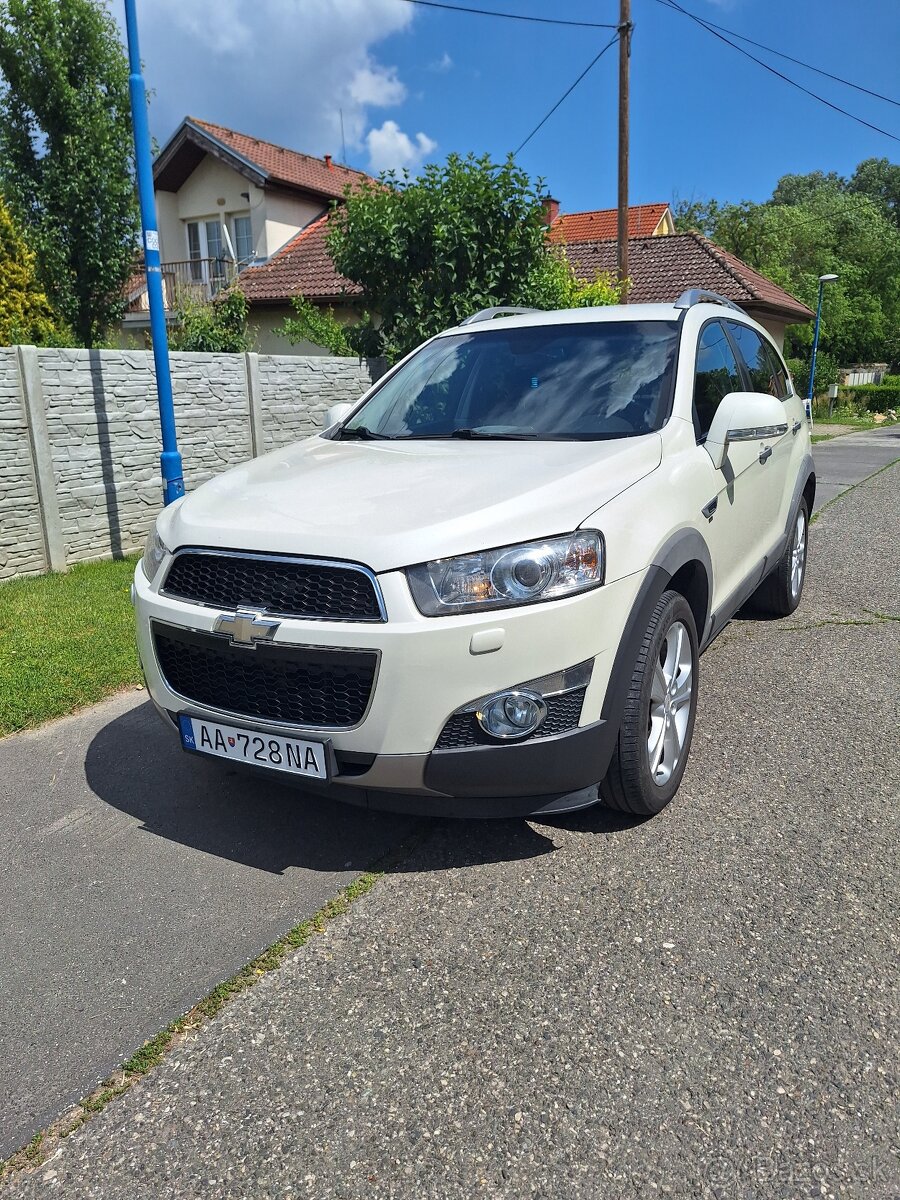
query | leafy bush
(891,381)
(827,372)
(553,284)
(317,325)
(875,397)
(216,326)
(25,313)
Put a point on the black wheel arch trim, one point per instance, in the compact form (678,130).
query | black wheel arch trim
(682,548)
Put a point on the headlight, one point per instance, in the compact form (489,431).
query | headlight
(512,575)
(154,552)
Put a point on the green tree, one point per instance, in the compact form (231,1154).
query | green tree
(66,153)
(25,313)
(217,326)
(816,224)
(879,179)
(465,235)
(317,325)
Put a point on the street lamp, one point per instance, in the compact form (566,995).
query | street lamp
(823,279)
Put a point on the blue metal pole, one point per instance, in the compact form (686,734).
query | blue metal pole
(170,459)
(812,366)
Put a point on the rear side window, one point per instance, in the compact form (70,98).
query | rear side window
(716,374)
(766,373)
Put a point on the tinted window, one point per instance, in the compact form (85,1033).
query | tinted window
(757,359)
(716,375)
(606,379)
(779,373)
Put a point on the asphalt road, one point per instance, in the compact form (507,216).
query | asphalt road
(704,1002)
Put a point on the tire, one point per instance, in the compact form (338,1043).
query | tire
(655,736)
(779,593)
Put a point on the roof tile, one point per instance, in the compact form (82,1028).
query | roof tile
(286,166)
(603,223)
(303,266)
(661,268)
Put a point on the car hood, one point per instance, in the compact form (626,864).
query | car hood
(392,504)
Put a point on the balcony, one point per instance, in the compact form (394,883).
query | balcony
(198,279)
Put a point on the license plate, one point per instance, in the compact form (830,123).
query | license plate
(294,755)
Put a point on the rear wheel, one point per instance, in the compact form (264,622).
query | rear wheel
(658,722)
(779,593)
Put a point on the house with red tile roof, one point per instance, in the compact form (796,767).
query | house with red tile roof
(661,268)
(230,204)
(644,220)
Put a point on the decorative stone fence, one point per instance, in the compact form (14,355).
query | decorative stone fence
(80,441)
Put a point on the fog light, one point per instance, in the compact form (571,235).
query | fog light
(511,714)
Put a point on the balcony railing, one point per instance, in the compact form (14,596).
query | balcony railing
(194,278)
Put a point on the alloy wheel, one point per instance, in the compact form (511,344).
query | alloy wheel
(671,697)
(798,555)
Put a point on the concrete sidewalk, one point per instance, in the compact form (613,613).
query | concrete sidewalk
(700,1005)
(133,879)
(843,462)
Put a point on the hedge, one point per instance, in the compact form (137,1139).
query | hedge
(876,397)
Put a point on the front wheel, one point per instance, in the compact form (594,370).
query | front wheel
(658,721)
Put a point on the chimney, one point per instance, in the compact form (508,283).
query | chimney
(328,161)
(551,209)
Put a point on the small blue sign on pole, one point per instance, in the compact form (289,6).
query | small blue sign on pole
(170,459)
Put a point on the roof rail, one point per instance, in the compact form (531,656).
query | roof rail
(702,296)
(488,314)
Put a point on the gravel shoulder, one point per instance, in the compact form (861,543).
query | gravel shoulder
(700,1005)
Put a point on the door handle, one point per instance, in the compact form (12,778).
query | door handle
(796,427)
(709,509)
(765,453)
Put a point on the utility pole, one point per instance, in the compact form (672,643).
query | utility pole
(624,28)
(170,459)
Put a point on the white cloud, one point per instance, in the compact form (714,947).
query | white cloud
(283,70)
(392,149)
(441,65)
(376,85)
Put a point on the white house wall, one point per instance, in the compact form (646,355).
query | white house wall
(285,216)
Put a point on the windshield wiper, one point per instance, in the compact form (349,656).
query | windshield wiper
(364,434)
(487,433)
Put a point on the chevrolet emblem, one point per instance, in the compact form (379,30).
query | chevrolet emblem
(246,627)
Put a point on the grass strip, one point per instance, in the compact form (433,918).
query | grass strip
(66,640)
(152,1053)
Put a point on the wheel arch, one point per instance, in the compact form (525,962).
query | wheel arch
(683,564)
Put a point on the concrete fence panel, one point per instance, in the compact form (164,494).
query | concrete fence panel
(80,440)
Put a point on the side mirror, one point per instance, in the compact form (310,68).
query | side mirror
(743,417)
(336,414)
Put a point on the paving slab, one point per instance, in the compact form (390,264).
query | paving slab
(700,1005)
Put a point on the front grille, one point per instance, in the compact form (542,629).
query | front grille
(327,689)
(563,713)
(282,586)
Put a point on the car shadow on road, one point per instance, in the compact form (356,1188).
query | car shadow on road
(135,765)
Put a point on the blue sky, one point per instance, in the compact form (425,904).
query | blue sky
(415,83)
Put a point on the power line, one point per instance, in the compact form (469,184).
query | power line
(486,12)
(797,61)
(767,67)
(567,93)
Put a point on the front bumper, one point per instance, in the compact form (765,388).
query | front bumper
(428,668)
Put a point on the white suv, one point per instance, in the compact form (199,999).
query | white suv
(484,590)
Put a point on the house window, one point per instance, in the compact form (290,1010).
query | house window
(195,254)
(215,250)
(243,240)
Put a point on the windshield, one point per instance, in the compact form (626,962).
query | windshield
(608,379)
